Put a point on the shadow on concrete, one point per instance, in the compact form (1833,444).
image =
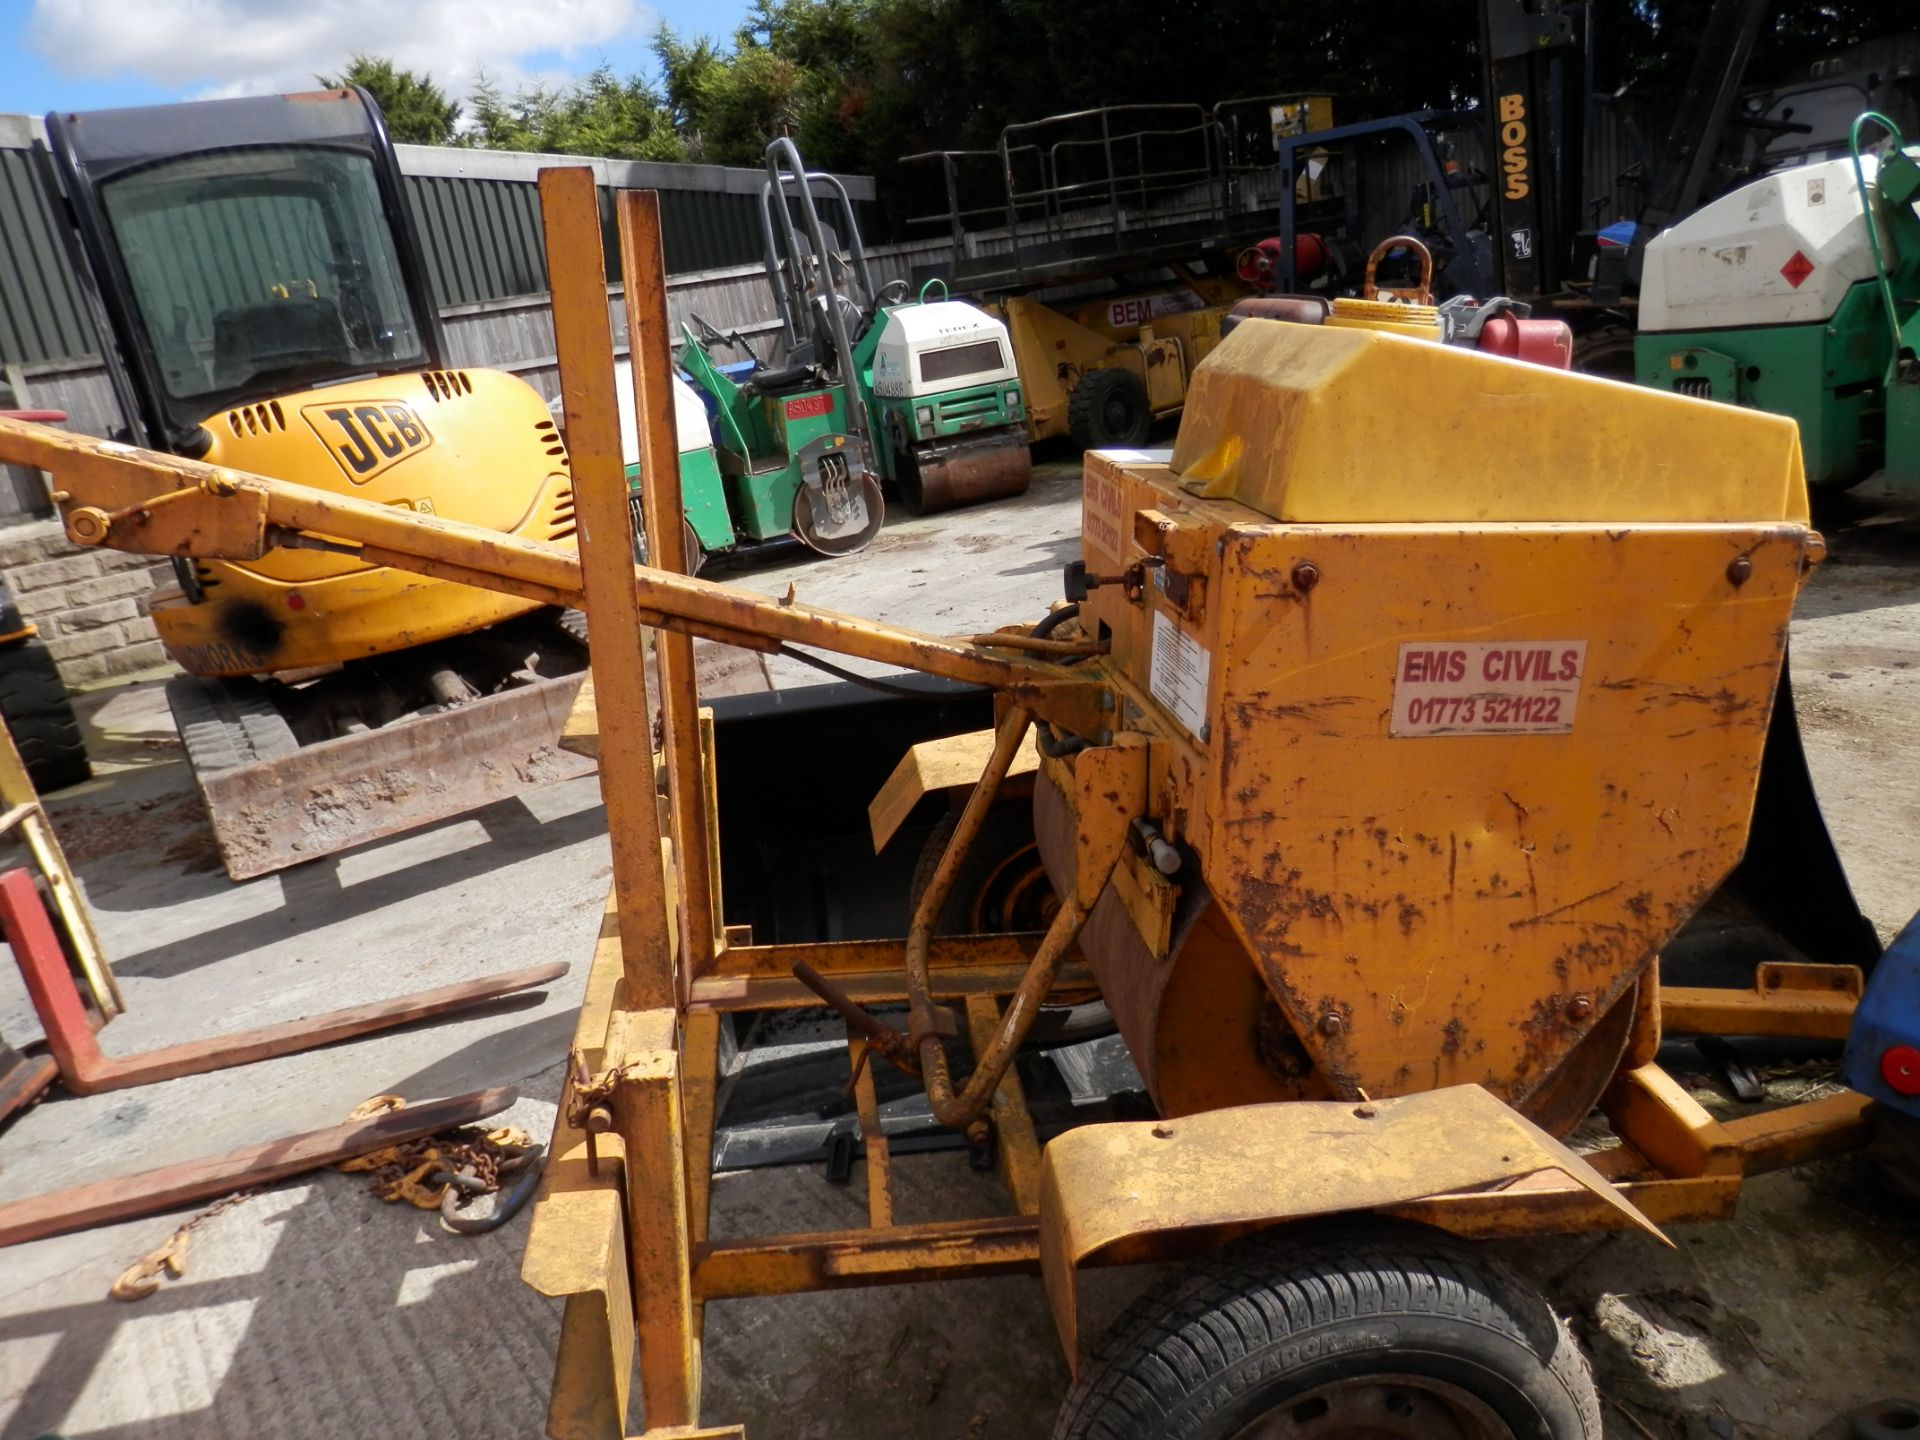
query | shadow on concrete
(1058,553)
(314,895)
(1865,531)
(525,1050)
(346,1317)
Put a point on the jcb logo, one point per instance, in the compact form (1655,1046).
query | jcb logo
(369,437)
(1515,159)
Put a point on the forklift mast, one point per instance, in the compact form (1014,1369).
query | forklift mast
(1538,82)
(1538,96)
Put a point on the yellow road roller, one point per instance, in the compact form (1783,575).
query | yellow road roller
(1415,703)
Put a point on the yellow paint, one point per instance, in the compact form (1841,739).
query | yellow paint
(1437,909)
(1467,906)
(1320,424)
(931,766)
(483,452)
(1054,345)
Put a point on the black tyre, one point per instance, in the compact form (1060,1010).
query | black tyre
(1109,408)
(224,724)
(1002,888)
(1373,1331)
(39,716)
(1895,1152)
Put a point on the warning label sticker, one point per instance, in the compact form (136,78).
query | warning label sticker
(1178,673)
(1516,687)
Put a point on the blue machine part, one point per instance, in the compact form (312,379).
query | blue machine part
(1883,1050)
(740,371)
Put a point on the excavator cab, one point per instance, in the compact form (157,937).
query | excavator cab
(232,272)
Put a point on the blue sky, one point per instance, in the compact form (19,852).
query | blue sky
(91,54)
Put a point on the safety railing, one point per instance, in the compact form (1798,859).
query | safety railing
(1116,169)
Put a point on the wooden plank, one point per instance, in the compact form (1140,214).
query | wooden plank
(110,1201)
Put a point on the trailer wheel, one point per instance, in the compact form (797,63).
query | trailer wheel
(1109,408)
(1375,1331)
(1606,351)
(39,716)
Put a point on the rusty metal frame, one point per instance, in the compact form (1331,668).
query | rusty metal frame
(1672,1162)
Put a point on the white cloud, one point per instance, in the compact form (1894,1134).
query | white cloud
(238,47)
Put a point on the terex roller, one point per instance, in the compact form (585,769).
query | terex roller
(267,307)
(1799,293)
(1371,778)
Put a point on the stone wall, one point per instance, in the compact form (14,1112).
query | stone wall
(90,605)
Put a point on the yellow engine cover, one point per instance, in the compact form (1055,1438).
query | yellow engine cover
(471,445)
(1459,672)
(1312,423)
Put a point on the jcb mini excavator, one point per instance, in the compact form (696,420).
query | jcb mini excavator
(266,305)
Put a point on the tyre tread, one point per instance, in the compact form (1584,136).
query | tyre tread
(40,718)
(1084,421)
(225,724)
(1233,1303)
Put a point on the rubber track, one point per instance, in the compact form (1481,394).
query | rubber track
(1231,1306)
(227,723)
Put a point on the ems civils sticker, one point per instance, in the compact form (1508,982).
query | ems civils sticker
(1515,687)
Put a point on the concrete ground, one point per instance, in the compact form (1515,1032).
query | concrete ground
(312,1310)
